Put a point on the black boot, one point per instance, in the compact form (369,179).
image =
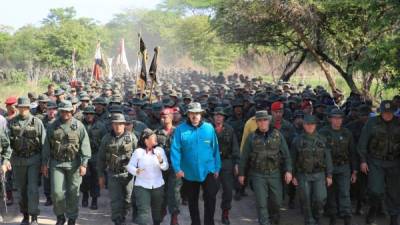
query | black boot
(347,220)
(225,217)
(34,220)
(71,221)
(48,202)
(60,220)
(93,206)
(25,220)
(371,216)
(85,200)
(393,220)
(292,203)
(332,220)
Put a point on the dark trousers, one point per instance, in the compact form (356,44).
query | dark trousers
(90,182)
(210,188)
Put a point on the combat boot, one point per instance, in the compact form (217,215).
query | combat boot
(93,206)
(34,220)
(371,216)
(225,217)
(71,221)
(393,220)
(347,220)
(174,219)
(48,202)
(25,220)
(85,200)
(60,220)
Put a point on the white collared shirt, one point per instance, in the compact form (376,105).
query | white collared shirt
(151,176)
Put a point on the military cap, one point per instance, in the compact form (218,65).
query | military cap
(237,103)
(298,113)
(90,109)
(220,111)
(335,112)
(363,110)
(157,107)
(100,101)
(32,95)
(213,100)
(51,105)
(11,100)
(115,109)
(43,98)
(23,102)
(107,87)
(115,99)
(65,106)
(187,96)
(136,101)
(74,100)
(310,119)
(173,93)
(387,106)
(58,92)
(168,102)
(84,97)
(195,107)
(118,118)
(262,115)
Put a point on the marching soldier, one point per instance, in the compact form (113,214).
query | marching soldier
(313,170)
(27,135)
(263,152)
(379,149)
(114,154)
(340,141)
(96,130)
(5,156)
(66,153)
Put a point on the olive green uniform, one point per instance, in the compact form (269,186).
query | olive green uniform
(263,154)
(172,184)
(46,180)
(312,162)
(27,136)
(5,151)
(230,155)
(66,148)
(379,146)
(341,144)
(114,154)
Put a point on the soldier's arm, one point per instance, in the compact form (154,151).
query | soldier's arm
(46,147)
(42,133)
(328,160)
(293,153)
(235,149)
(134,141)
(363,142)
(85,150)
(5,145)
(245,154)
(353,154)
(284,149)
(101,158)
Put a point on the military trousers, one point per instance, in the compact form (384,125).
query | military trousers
(313,194)
(226,178)
(384,184)
(120,188)
(338,200)
(149,200)
(27,178)
(172,187)
(90,182)
(65,182)
(268,192)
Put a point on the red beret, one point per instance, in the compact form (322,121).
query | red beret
(167,111)
(277,106)
(11,100)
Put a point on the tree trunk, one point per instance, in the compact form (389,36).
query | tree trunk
(292,67)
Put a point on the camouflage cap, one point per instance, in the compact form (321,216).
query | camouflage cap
(310,119)
(195,107)
(118,118)
(262,115)
(335,112)
(51,105)
(43,98)
(23,102)
(90,109)
(84,97)
(65,106)
(220,111)
(100,101)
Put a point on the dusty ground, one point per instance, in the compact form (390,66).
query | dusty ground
(242,213)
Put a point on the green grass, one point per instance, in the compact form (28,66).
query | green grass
(10,88)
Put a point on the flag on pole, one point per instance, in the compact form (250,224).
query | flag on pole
(153,66)
(143,71)
(122,61)
(98,62)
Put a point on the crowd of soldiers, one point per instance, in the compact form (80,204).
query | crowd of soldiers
(280,140)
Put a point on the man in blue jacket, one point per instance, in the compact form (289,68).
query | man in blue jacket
(195,157)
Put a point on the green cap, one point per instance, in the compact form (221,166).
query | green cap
(118,118)
(65,106)
(363,110)
(220,111)
(23,102)
(310,119)
(43,98)
(262,115)
(387,106)
(51,105)
(335,112)
(90,109)
(100,101)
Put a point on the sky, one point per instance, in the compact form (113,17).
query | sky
(17,13)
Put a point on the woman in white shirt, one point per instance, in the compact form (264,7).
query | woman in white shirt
(147,163)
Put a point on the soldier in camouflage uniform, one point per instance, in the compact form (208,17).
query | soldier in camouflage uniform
(172,183)
(313,170)
(66,153)
(379,149)
(230,155)
(340,142)
(5,156)
(263,152)
(96,130)
(49,118)
(27,135)
(114,154)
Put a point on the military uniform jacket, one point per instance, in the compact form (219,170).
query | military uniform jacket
(228,144)
(27,136)
(5,150)
(263,153)
(67,144)
(96,132)
(341,144)
(164,141)
(380,140)
(311,155)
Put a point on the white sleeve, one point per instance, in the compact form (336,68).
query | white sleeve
(131,167)
(164,165)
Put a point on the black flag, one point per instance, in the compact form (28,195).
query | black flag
(143,70)
(153,66)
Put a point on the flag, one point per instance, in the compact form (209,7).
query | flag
(110,75)
(122,61)
(98,62)
(153,66)
(141,82)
